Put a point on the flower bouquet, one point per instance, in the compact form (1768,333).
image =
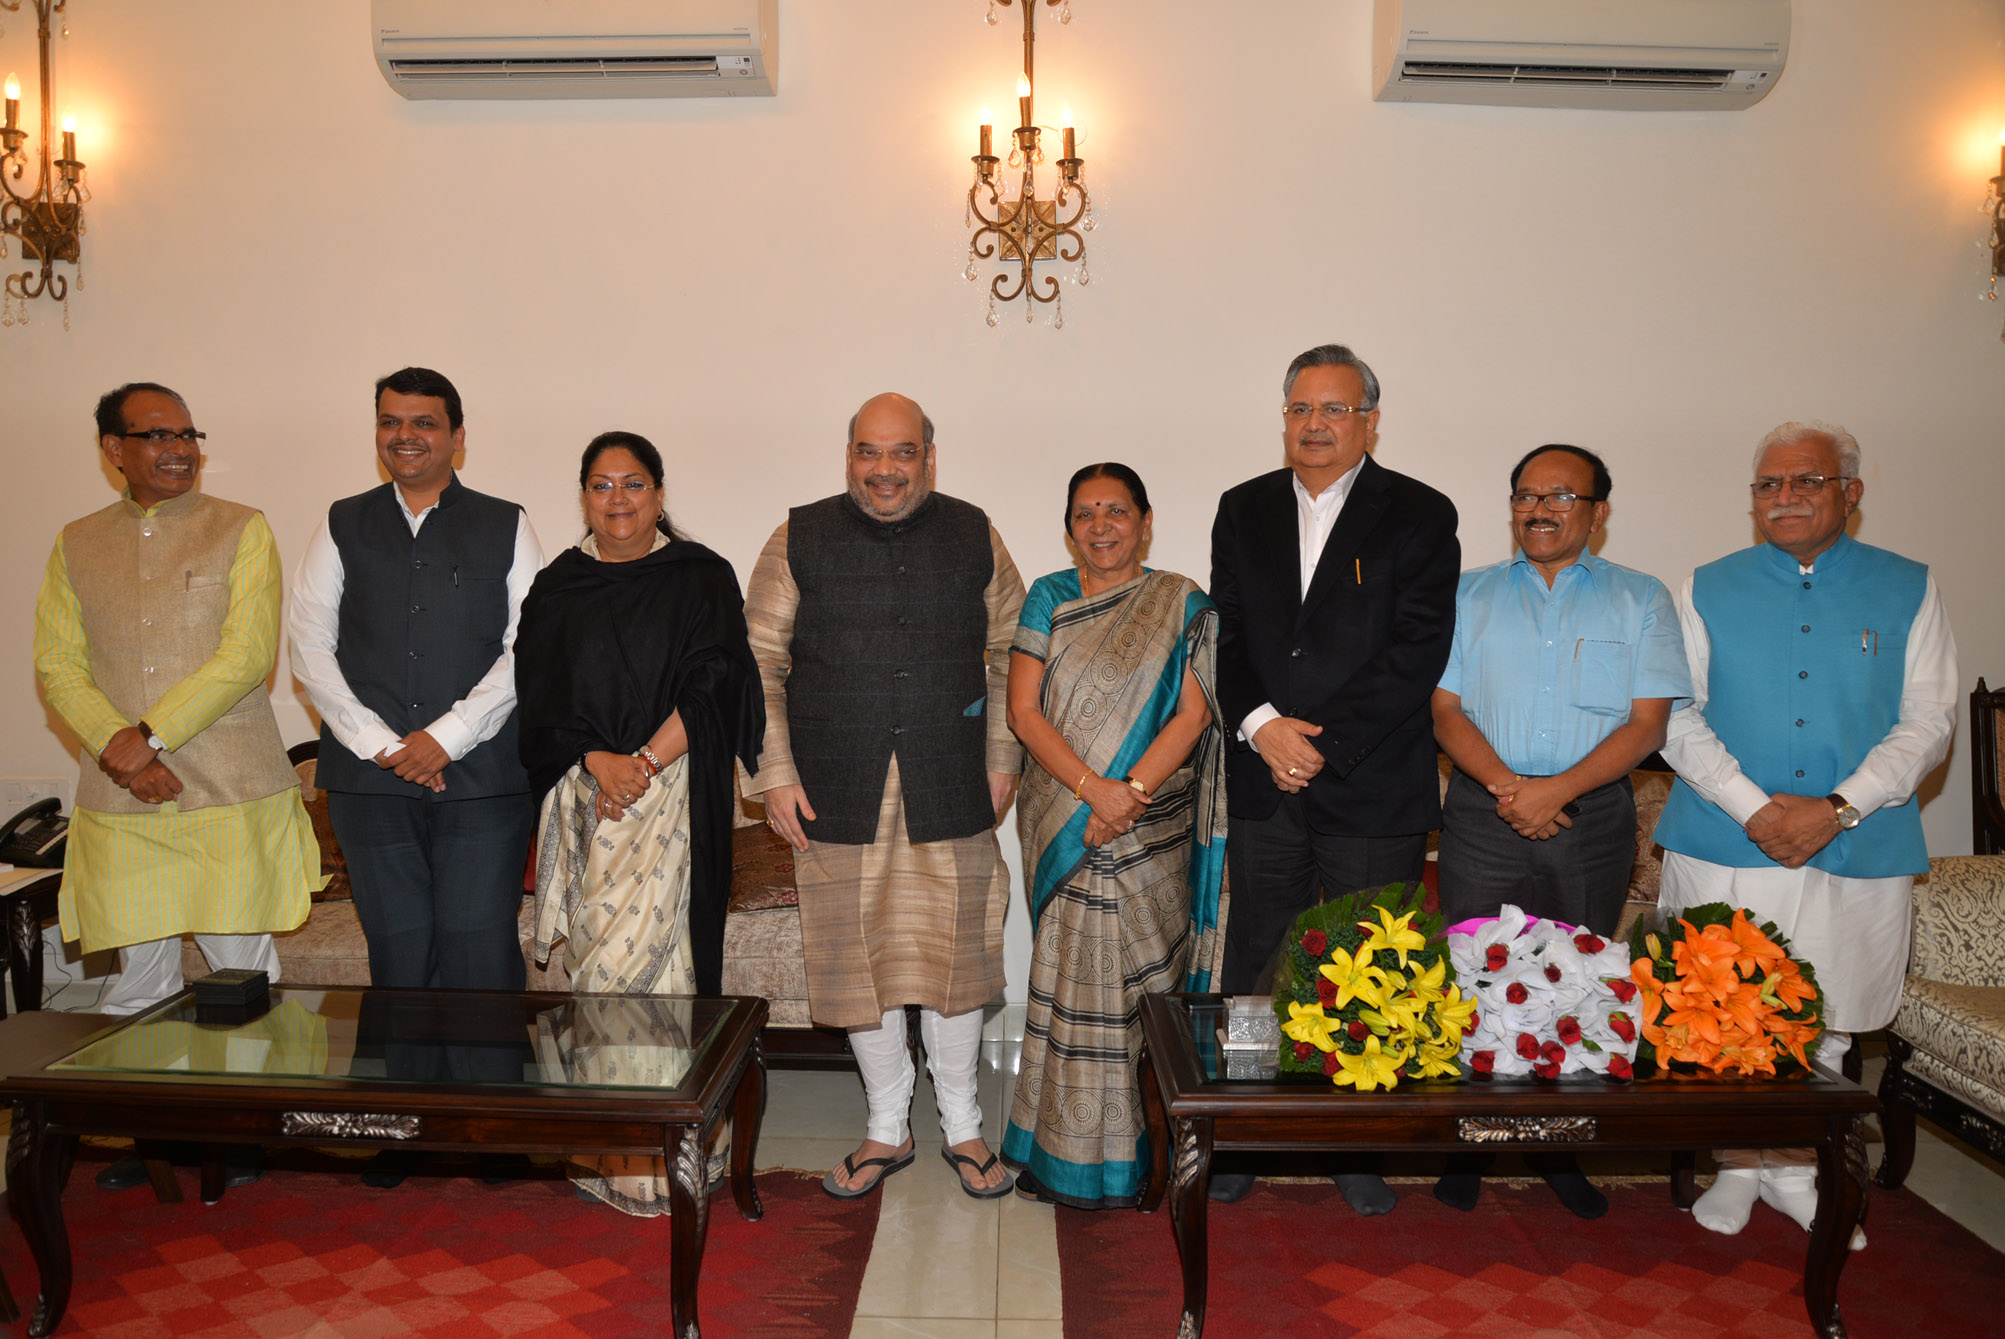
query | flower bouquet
(1721,993)
(1365,994)
(1551,1000)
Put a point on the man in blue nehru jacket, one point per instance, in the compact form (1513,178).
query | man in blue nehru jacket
(1824,689)
(403,628)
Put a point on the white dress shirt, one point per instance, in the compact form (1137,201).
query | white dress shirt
(1315,518)
(315,623)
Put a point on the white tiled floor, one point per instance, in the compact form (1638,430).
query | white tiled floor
(945,1266)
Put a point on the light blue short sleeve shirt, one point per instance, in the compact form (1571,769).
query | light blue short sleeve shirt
(1546,675)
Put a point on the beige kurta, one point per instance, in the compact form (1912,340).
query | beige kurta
(891,923)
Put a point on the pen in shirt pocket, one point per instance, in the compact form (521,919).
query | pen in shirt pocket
(1867,637)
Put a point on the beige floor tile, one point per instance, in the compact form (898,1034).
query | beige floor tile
(1030,1329)
(881,1327)
(814,1104)
(1027,1264)
(936,1249)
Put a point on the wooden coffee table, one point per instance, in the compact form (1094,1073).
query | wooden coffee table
(522,1072)
(1195,1111)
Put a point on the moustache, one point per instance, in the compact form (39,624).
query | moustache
(1785,513)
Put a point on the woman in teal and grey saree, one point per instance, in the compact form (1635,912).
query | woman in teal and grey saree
(1122,816)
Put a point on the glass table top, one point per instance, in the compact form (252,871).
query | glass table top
(417,1036)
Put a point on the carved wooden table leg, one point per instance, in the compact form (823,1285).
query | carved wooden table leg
(685,1149)
(34,1161)
(1684,1177)
(1841,1203)
(1190,1188)
(1896,1114)
(212,1173)
(748,1111)
(1159,1133)
(24,952)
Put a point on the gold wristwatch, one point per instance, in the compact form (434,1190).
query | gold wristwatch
(1842,810)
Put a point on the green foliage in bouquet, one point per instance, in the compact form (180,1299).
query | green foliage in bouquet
(1366,994)
(1724,993)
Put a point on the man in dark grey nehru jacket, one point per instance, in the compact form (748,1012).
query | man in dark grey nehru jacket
(881,619)
(403,629)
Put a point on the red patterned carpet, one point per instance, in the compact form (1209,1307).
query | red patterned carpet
(313,1253)
(1293,1260)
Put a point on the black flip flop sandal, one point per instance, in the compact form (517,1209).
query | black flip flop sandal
(959,1160)
(851,1167)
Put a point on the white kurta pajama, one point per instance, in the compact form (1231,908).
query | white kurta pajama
(1854,931)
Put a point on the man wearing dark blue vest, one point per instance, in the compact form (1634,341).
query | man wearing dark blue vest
(403,629)
(882,619)
(1824,689)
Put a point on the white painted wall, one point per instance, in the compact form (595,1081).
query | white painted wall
(273,228)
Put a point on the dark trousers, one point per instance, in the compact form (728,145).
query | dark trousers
(437,885)
(1580,875)
(1280,868)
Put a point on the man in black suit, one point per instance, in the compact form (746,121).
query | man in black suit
(1335,582)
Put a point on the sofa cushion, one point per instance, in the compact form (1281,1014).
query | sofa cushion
(1962,1029)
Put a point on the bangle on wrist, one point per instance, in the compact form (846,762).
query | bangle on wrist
(649,761)
(1137,786)
(1081,786)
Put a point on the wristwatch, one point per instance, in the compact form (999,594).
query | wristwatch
(153,741)
(1842,810)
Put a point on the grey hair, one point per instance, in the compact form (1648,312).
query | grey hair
(1789,434)
(925,427)
(1332,355)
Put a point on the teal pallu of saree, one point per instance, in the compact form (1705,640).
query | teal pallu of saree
(1141,913)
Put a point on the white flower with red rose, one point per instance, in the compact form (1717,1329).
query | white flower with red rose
(1551,1000)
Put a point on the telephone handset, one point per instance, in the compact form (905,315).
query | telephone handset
(33,838)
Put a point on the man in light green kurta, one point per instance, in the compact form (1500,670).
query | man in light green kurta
(155,630)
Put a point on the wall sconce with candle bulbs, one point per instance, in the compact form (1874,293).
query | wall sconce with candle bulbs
(48,217)
(1994,206)
(1019,230)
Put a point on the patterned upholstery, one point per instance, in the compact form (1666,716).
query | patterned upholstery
(1946,1047)
(762,932)
(1953,1004)
(332,863)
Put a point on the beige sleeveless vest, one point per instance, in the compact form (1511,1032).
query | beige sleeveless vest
(154,591)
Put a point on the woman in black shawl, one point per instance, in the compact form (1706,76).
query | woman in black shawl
(636,690)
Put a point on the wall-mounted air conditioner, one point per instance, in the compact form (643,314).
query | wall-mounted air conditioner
(1626,55)
(577,48)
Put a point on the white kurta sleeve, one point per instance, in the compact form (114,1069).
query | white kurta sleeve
(1920,738)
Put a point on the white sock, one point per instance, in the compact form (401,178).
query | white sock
(1791,1188)
(1726,1206)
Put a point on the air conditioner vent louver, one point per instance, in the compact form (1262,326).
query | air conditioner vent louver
(1610,55)
(559,67)
(1583,76)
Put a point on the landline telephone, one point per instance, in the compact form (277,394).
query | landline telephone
(33,838)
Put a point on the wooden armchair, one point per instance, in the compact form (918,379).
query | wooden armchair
(1987,760)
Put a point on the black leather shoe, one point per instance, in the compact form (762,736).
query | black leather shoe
(1231,1187)
(387,1170)
(125,1174)
(243,1164)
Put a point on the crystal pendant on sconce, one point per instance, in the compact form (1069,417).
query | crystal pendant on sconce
(66,25)
(66,315)
(971,273)
(1029,307)
(991,315)
(1082,276)
(1065,12)
(1058,312)
(993,18)
(1016,157)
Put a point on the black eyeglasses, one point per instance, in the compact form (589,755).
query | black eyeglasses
(1555,502)
(1809,485)
(162,436)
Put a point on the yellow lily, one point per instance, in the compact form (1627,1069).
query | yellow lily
(1401,1011)
(1452,1015)
(1355,977)
(1397,935)
(1376,1068)
(1426,986)
(1438,1060)
(1308,1022)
